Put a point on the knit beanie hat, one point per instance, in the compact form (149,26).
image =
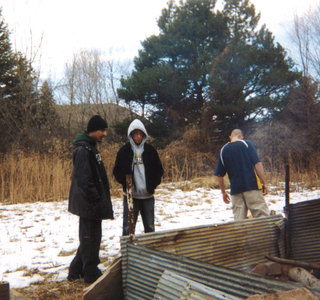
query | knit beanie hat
(96,123)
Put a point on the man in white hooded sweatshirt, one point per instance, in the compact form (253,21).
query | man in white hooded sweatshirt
(141,160)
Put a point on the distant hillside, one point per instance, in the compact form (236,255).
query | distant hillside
(79,114)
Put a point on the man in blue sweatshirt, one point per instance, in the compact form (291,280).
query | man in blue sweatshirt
(248,183)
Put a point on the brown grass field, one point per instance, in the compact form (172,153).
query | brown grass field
(47,177)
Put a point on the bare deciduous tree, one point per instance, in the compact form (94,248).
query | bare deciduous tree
(91,81)
(305,35)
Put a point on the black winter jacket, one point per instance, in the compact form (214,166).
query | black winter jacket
(90,192)
(151,161)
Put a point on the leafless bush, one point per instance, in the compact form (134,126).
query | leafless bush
(188,157)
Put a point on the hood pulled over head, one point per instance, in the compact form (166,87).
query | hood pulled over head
(137,124)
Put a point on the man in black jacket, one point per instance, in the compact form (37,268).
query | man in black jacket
(89,199)
(141,160)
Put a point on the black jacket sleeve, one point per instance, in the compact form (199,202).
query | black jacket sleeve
(123,164)
(83,176)
(153,168)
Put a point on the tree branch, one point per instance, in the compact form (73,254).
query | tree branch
(294,263)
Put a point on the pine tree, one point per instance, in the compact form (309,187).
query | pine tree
(7,82)
(18,94)
(171,71)
(7,61)
(212,68)
(46,117)
(252,76)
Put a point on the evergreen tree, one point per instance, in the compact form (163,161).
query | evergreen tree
(46,117)
(251,78)
(7,61)
(171,71)
(8,81)
(211,68)
(46,122)
(18,94)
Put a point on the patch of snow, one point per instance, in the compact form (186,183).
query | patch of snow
(44,236)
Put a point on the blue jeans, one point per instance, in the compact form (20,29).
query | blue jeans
(146,209)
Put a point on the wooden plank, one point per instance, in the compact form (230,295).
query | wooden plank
(108,286)
(4,290)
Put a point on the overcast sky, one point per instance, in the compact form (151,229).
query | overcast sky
(70,25)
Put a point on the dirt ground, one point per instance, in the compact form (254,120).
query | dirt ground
(62,290)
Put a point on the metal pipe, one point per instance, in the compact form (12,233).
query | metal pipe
(287,212)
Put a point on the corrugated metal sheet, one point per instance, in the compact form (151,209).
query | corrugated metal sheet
(236,244)
(304,226)
(172,286)
(145,267)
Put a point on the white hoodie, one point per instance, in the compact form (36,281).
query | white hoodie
(139,188)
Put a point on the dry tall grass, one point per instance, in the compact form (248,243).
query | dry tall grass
(47,177)
(40,177)
(34,177)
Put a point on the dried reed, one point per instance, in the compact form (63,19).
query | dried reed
(34,177)
(47,177)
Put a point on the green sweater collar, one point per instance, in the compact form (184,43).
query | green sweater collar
(83,136)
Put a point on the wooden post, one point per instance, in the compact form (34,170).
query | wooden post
(287,186)
(130,208)
(4,290)
(287,212)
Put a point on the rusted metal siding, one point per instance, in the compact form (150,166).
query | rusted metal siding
(145,266)
(236,244)
(304,231)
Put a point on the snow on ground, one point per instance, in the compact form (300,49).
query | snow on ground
(39,240)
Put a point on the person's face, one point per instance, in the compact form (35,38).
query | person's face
(99,134)
(137,136)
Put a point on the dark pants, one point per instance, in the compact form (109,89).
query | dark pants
(85,263)
(146,209)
